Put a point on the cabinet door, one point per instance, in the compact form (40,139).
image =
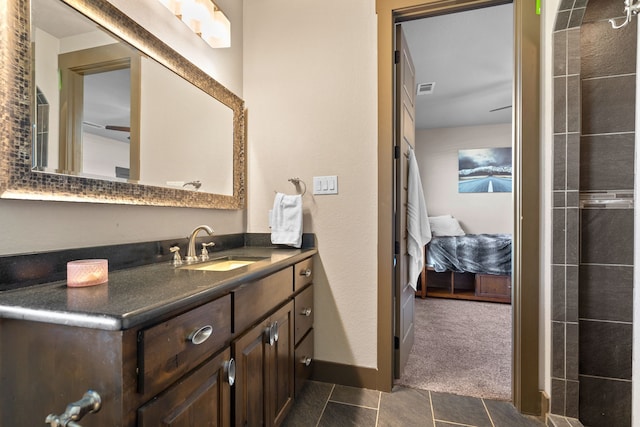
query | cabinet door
(264,371)
(282,367)
(202,398)
(250,352)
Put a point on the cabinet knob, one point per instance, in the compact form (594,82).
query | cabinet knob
(276,331)
(271,333)
(306,272)
(306,360)
(306,311)
(230,371)
(200,335)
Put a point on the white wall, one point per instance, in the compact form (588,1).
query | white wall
(437,155)
(310,87)
(31,226)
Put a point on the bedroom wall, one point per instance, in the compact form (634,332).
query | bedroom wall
(437,155)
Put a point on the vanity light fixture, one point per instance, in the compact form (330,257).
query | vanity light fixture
(205,18)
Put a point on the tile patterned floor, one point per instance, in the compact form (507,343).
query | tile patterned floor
(330,405)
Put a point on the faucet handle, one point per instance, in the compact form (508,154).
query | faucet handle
(204,254)
(177,260)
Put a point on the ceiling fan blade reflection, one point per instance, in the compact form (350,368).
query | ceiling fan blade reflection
(108,127)
(501,108)
(118,128)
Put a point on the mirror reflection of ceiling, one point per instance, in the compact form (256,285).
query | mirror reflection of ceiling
(66,22)
(469,56)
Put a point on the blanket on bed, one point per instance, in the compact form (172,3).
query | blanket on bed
(473,253)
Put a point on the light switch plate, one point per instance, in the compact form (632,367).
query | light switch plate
(325,184)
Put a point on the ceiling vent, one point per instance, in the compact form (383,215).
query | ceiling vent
(426,88)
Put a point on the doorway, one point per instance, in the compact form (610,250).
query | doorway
(463,146)
(526,394)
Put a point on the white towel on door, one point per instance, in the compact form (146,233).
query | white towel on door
(286,220)
(418,228)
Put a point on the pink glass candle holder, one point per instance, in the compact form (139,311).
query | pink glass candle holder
(87,272)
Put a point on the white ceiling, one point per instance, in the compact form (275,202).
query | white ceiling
(469,56)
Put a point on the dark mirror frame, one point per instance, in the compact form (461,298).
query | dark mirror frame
(18,181)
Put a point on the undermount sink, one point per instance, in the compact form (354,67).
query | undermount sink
(226,263)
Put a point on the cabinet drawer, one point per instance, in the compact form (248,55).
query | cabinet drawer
(254,300)
(303,361)
(303,274)
(489,285)
(169,350)
(304,312)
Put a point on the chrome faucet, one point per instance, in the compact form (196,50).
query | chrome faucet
(191,249)
(196,184)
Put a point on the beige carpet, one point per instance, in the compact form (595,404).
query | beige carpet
(461,347)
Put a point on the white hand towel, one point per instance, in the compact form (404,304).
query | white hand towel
(418,227)
(286,220)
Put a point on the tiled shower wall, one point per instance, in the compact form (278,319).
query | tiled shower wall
(594,124)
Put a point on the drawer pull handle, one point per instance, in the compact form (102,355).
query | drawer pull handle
(271,334)
(90,403)
(276,331)
(306,360)
(230,371)
(306,312)
(306,272)
(200,335)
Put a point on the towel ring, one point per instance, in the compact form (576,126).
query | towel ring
(296,181)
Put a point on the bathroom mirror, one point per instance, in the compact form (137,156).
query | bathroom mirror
(122,143)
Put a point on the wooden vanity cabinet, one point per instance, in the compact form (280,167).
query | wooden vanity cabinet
(156,374)
(44,367)
(265,371)
(269,371)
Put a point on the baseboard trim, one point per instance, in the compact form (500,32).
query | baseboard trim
(545,403)
(348,375)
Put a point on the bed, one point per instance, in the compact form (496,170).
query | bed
(473,253)
(472,266)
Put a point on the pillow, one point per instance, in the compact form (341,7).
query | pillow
(445,225)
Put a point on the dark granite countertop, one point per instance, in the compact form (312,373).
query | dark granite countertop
(137,296)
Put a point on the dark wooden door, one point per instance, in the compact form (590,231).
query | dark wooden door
(202,398)
(250,352)
(265,371)
(282,367)
(404,140)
